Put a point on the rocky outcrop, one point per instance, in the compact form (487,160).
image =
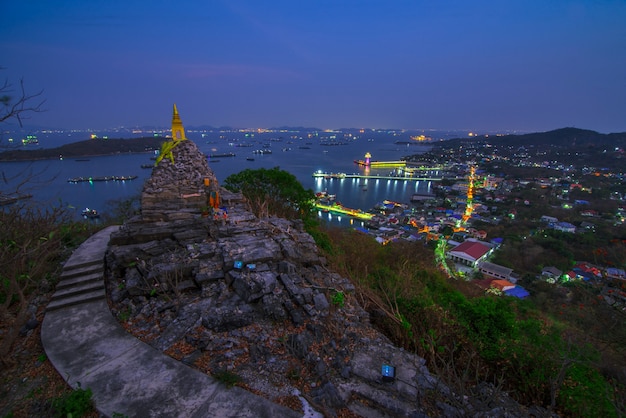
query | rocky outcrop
(178,187)
(231,294)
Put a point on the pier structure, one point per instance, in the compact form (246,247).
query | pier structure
(379,164)
(337,208)
(331,176)
(367,162)
(407,166)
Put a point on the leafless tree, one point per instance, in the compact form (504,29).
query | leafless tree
(17,103)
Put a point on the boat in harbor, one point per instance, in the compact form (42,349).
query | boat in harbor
(324,198)
(230,154)
(30,140)
(88,213)
(100,178)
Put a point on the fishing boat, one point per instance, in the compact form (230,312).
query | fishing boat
(229,154)
(100,178)
(90,213)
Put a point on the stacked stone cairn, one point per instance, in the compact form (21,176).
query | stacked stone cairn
(178,189)
(253,298)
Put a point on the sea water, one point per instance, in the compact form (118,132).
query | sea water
(47,180)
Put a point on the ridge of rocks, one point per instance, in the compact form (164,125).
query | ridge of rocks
(252,300)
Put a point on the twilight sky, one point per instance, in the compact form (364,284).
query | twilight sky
(482,65)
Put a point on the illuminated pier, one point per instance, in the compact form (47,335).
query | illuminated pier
(337,208)
(331,176)
(379,164)
(369,163)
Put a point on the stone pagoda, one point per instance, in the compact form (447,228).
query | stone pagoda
(182,184)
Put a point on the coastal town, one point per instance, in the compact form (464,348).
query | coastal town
(511,212)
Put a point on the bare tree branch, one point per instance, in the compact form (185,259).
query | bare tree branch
(18,106)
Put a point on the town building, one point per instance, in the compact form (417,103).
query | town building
(494,271)
(470,253)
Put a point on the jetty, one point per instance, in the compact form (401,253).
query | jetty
(380,164)
(407,165)
(338,208)
(331,176)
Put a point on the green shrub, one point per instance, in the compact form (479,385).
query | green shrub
(272,192)
(230,379)
(321,238)
(585,393)
(489,322)
(338,298)
(74,404)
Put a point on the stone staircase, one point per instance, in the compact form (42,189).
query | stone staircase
(79,283)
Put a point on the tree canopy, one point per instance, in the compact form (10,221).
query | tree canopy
(272,192)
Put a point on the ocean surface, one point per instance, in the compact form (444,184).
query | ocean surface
(48,182)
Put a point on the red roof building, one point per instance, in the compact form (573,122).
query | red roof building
(469,253)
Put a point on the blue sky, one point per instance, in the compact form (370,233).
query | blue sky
(526,65)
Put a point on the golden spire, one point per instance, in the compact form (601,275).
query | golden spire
(178,131)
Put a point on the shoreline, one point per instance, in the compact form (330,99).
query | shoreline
(72,157)
(86,148)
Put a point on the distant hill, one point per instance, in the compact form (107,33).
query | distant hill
(564,137)
(90,147)
(567,146)
(569,137)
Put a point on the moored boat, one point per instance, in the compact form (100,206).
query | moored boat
(100,178)
(90,213)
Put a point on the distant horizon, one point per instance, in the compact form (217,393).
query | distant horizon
(8,128)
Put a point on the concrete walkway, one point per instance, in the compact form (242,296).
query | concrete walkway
(87,345)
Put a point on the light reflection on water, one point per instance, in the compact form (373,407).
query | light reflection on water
(50,185)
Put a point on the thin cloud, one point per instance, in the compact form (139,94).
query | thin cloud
(208,71)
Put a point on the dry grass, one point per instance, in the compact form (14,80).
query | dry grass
(30,382)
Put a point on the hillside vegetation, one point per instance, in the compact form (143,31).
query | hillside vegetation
(536,355)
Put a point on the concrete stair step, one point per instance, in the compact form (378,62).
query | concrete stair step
(73,263)
(77,289)
(81,270)
(95,276)
(76,299)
